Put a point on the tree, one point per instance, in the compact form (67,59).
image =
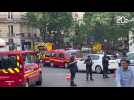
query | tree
(50,21)
(59,21)
(103,25)
(38,20)
(107,22)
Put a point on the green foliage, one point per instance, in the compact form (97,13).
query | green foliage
(50,21)
(104,23)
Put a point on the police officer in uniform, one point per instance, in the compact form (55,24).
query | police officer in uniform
(105,63)
(89,63)
(73,69)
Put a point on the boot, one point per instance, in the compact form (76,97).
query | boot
(107,76)
(72,83)
(104,76)
(91,79)
(87,78)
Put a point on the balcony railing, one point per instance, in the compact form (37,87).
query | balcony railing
(13,20)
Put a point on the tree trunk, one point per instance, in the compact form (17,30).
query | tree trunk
(43,34)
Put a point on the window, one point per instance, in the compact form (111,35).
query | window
(111,58)
(8,62)
(61,55)
(10,29)
(10,15)
(30,59)
(54,55)
(94,57)
(22,35)
(48,54)
(131,56)
(29,35)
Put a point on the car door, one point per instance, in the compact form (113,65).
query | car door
(30,69)
(96,59)
(81,65)
(61,59)
(113,63)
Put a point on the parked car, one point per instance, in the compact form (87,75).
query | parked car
(97,63)
(130,57)
(75,52)
(58,58)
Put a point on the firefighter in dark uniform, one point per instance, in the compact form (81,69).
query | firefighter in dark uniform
(89,63)
(73,69)
(105,63)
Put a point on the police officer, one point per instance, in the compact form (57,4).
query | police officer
(105,63)
(73,69)
(89,63)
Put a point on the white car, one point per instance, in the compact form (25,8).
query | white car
(97,63)
(130,56)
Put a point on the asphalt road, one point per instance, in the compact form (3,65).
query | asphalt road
(56,77)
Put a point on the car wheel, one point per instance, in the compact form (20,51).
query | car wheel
(39,82)
(66,65)
(51,64)
(98,69)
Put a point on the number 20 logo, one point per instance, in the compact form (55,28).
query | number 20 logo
(121,20)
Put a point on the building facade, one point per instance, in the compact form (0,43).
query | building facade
(131,41)
(15,30)
(78,16)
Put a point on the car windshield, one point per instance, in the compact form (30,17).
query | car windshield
(61,55)
(111,57)
(94,57)
(74,53)
(131,56)
(8,62)
(48,54)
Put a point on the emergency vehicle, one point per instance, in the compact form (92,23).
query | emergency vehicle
(42,48)
(19,68)
(58,58)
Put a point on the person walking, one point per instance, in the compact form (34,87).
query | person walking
(89,63)
(105,63)
(73,69)
(124,75)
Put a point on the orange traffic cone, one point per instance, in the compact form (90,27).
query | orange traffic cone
(68,76)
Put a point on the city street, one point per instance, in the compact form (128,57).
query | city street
(56,77)
(74,40)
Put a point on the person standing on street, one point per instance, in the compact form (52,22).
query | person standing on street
(73,69)
(105,63)
(89,63)
(124,75)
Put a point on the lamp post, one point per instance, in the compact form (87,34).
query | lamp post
(62,39)
(105,45)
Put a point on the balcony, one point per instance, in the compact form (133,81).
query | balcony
(13,20)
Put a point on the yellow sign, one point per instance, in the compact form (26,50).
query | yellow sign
(48,46)
(97,47)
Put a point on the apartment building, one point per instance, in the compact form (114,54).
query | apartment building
(14,29)
(78,16)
